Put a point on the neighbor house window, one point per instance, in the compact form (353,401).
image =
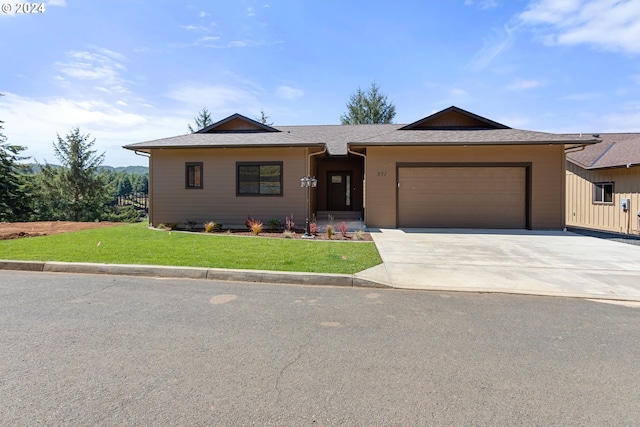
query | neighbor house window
(603,192)
(259,179)
(193,175)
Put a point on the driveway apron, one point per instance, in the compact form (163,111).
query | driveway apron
(511,261)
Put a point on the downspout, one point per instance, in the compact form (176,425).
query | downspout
(364,181)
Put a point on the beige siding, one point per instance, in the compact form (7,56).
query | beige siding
(217,200)
(547,177)
(582,212)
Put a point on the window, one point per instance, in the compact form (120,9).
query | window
(603,192)
(193,175)
(259,179)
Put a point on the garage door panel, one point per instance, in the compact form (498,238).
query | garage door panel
(462,197)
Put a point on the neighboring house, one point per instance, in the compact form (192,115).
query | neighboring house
(450,169)
(602,180)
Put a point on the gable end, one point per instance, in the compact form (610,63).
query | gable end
(237,123)
(454,118)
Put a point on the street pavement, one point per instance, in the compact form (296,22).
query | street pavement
(97,350)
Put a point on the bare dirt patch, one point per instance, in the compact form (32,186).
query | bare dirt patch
(19,230)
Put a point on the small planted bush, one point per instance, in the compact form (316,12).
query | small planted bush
(290,225)
(329,232)
(359,235)
(342,228)
(255,226)
(274,223)
(313,228)
(212,226)
(288,234)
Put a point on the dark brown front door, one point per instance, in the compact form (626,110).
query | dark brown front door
(339,191)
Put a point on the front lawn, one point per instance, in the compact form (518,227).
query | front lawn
(137,244)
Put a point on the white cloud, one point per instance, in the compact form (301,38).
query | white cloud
(112,125)
(289,93)
(251,12)
(607,24)
(102,66)
(519,85)
(482,4)
(457,92)
(583,96)
(61,3)
(219,99)
(494,46)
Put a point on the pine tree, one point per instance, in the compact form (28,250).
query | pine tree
(202,121)
(13,197)
(370,107)
(74,191)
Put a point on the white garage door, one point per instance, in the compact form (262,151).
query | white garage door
(462,197)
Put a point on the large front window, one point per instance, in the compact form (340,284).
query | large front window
(259,179)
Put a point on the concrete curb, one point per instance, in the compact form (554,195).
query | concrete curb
(261,276)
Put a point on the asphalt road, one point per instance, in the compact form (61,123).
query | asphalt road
(83,350)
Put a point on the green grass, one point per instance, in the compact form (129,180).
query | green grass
(137,244)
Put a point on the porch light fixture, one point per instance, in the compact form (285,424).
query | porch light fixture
(308,182)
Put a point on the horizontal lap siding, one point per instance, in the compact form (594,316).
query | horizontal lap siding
(582,212)
(462,197)
(217,200)
(547,177)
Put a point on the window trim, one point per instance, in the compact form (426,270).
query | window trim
(263,163)
(188,165)
(599,189)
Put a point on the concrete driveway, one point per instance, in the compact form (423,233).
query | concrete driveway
(511,261)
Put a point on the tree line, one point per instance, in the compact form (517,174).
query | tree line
(78,189)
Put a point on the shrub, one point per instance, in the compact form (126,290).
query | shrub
(171,225)
(212,226)
(359,235)
(274,223)
(342,228)
(313,228)
(329,231)
(288,234)
(255,226)
(191,225)
(290,225)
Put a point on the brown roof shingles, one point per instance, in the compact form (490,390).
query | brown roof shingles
(615,150)
(338,138)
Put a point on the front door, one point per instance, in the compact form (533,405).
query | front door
(339,191)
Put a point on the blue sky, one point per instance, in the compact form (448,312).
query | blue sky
(132,71)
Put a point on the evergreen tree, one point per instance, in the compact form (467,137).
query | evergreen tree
(13,197)
(74,191)
(370,107)
(124,185)
(264,119)
(202,120)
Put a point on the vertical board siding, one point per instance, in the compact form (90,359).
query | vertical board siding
(217,200)
(582,212)
(547,177)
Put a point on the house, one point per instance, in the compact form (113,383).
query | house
(450,169)
(603,184)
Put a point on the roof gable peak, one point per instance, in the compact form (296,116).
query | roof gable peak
(454,118)
(237,123)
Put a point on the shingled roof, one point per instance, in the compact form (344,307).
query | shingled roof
(452,126)
(615,150)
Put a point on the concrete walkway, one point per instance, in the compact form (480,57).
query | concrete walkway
(511,261)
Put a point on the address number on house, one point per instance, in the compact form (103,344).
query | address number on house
(382,173)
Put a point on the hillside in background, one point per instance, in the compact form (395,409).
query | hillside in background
(131,170)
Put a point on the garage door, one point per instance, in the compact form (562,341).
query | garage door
(462,197)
